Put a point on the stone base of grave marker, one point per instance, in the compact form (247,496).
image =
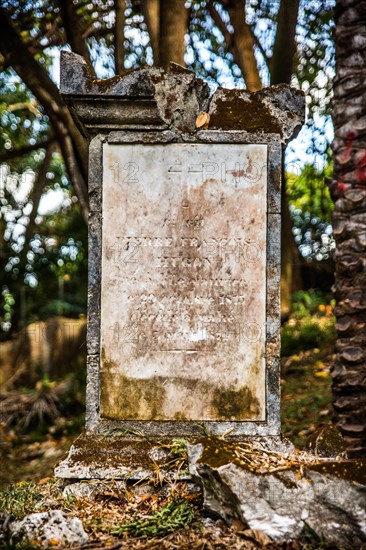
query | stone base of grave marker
(184,263)
(140,458)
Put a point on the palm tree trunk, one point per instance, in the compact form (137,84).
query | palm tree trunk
(349,221)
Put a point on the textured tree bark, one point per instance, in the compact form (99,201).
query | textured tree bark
(173,27)
(119,36)
(349,222)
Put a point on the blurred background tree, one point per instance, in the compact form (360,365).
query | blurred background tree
(234,43)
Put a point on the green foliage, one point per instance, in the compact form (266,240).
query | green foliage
(54,279)
(309,192)
(171,517)
(177,457)
(310,302)
(311,325)
(311,208)
(50,278)
(22,121)
(179,447)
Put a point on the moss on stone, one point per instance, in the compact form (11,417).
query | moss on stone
(235,112)
(218,452)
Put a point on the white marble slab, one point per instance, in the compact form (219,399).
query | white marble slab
(183,293)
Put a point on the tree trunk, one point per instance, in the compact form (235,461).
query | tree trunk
(74,30)
(349,222)
(173,27)
(119,36)
(281,66)
(284,48)
(244,42)
(151,13)
(39,184)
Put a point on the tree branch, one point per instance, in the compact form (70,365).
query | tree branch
(260,47)
(240,43)
(78,181)
(39,185)
(173,27)
(73,145)
(228,37)
(74,29)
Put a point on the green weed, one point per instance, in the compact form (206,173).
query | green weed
(171,517)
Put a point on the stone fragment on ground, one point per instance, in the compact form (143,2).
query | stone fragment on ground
(47,529)
(327,441)
(329,499)
(90,489)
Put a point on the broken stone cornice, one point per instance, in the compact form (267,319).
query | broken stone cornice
(277,109)
(142,98)
(150,98)
(77,79)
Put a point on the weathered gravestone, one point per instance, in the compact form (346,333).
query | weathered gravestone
(184,261)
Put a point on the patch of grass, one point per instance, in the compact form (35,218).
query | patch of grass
(171,517)
(177,457)
(306,394)
(20,499)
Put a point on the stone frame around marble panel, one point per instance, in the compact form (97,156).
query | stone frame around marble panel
(98,425)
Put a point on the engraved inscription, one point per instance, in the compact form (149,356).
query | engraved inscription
(184,281)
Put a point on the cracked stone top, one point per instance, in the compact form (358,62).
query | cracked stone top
(152,99)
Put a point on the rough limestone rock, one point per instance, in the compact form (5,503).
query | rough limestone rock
(91,489)
(49,528)
(327,442)
(283,503)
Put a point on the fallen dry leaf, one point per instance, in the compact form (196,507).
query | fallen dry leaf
(237,525)
(202,120)
(257,536)
(143,497)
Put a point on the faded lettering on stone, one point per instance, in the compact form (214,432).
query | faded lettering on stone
(184,282)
